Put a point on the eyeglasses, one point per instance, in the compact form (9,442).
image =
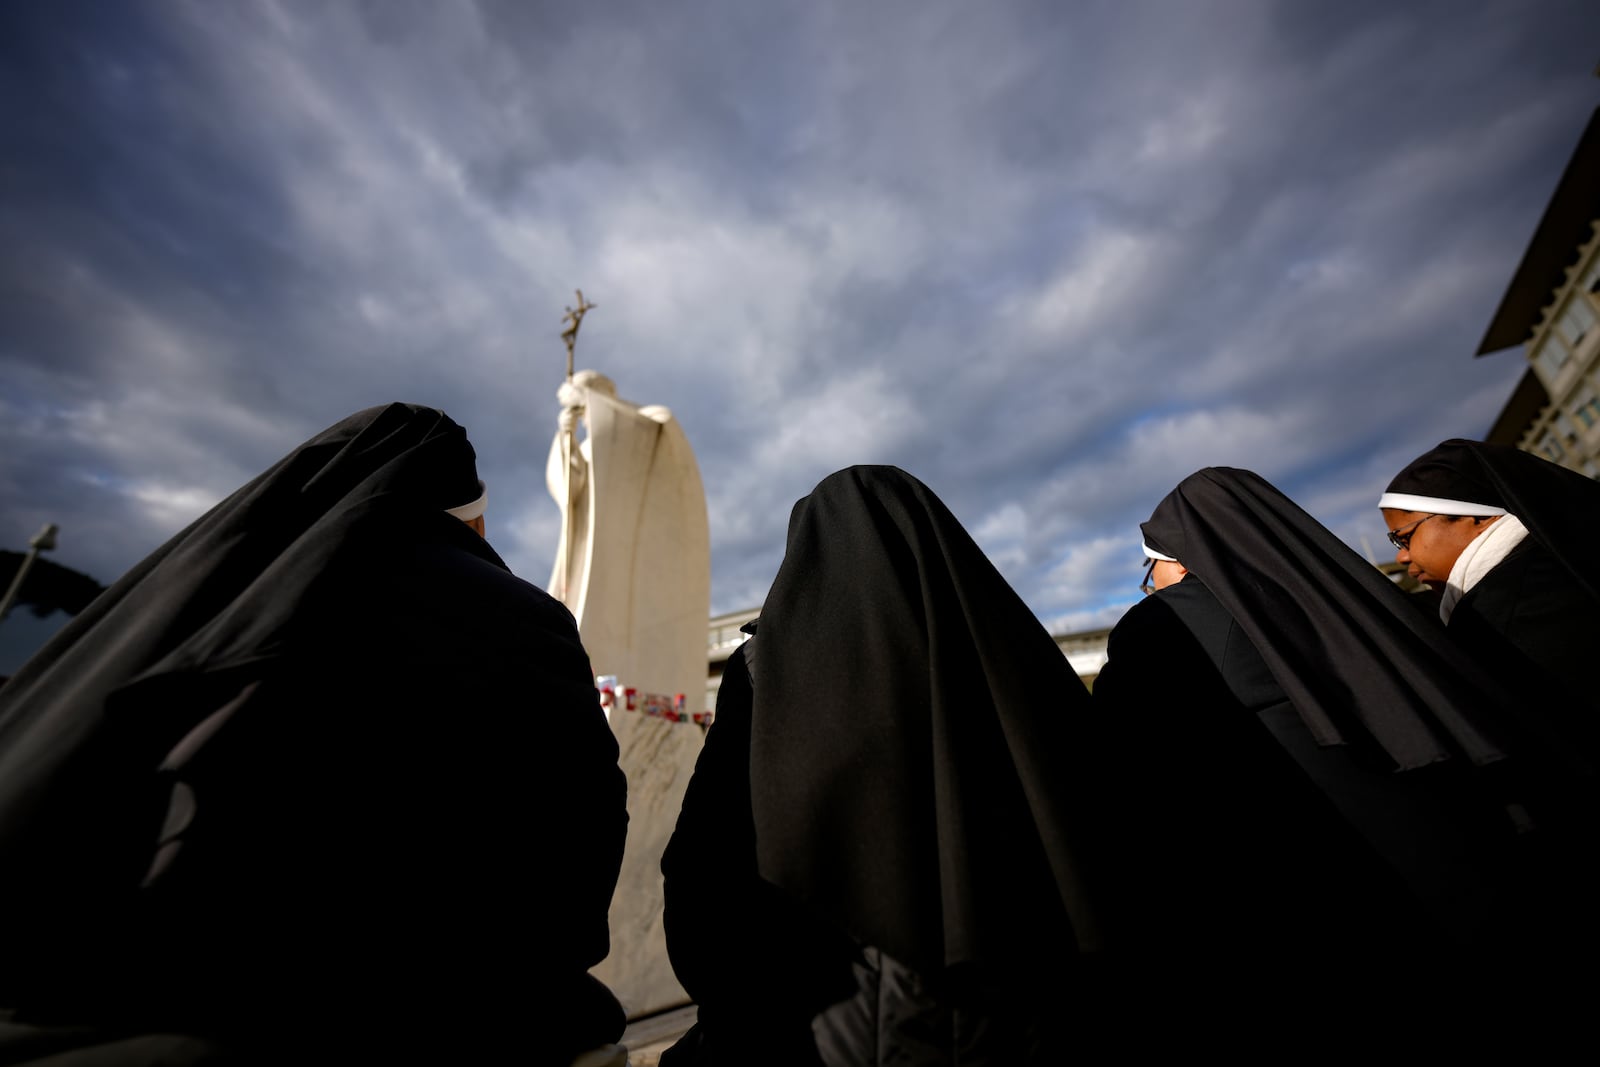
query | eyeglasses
(1401,540)
(1145,586)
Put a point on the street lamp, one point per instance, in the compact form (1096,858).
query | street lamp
(43,541)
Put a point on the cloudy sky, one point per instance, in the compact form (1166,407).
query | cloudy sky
(1048,257)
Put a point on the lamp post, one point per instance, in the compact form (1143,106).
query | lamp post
(43,541)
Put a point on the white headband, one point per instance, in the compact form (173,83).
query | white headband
(468,512)
(1151,553)
(1436,505)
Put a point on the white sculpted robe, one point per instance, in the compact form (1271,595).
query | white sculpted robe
(634,567)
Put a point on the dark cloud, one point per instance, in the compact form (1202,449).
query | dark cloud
(1049,259)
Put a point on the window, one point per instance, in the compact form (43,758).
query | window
(1564,424)
(1552,448)
(1551,357)
(1588,410)
(1576,321)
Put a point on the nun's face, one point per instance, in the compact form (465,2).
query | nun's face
(1166,572)
(1433,542)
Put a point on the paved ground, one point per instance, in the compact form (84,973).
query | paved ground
(649,1037)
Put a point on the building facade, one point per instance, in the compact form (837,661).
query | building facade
(1551,310)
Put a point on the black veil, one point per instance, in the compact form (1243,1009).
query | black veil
(219,595)
(325,704)
(917,738)
(1353,656)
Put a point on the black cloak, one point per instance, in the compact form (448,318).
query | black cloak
(1411,762)
(1255,907)
(296,779)
(901,768)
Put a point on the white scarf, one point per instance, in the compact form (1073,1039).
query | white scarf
(1482,554)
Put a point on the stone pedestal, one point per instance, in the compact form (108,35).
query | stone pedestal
(658,757)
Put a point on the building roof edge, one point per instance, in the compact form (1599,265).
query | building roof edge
(1565,226)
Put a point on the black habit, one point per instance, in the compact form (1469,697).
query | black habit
(883,852)
(319,780)
(1328,795)
(1538,630)
(1534,619)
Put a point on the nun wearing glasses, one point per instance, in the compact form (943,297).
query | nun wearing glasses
(1321,790)
(1510,539)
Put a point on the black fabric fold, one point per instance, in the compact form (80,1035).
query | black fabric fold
(226,590)
(1351,654)
(916,738)
(302,769)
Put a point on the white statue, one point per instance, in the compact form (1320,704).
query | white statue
(634,567)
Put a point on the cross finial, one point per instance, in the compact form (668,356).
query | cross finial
(572,320)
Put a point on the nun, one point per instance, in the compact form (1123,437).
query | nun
(884,854)
(1510,539)
(1323,794)
(319,780)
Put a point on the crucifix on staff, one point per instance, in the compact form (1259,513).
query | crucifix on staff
(572,320)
